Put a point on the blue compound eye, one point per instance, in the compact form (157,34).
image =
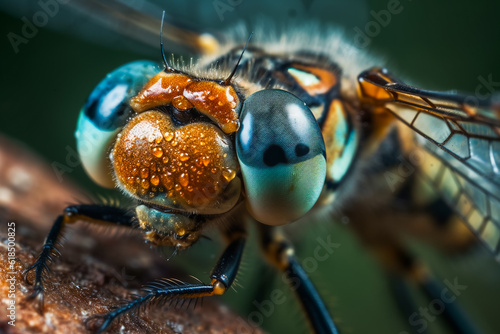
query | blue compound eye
(282,156)
(105,113)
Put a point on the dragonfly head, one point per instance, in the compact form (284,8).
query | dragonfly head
(181,146)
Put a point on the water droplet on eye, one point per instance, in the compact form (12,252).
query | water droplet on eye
(211,97)
(167,181)
(184,179)
(228,174)
(177,187)
(202,143)
(151,137)
(165,159)
(224,155)
(144,173)
(214,170)
(174,143)
(145,183)
(205,160)
(159,138)
(169,136)
(189,188)
(184,157)
(158,152)
(220,103)
(155,180)
(130,180)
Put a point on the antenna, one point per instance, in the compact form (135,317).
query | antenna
(228,80)
(168,68)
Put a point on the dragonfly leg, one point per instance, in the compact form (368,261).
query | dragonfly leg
(166,290)
(436,292)
(401,291)
(280,253)
(454,315)
(94,213)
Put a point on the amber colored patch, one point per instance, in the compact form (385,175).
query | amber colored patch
(370,90)
(181,103)
(188,165)
(372,84)
(327,79)
(334,146)
(218,102)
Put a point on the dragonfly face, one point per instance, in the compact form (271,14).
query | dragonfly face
(171,145)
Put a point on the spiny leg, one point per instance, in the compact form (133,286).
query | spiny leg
(165,290)
(280,253)
(95,213)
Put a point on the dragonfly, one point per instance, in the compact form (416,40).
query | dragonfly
(362,114)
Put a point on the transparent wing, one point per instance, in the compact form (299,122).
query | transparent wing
(461,138)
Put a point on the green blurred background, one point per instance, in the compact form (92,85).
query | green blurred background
(437,45)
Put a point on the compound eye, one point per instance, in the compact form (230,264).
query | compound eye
(282,156)
(105,113)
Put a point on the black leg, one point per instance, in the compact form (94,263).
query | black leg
(280,253)
(407,307)
(100,214)
(166,290)
(456,318)
(403,264)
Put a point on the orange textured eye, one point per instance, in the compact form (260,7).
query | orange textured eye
(189,167)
